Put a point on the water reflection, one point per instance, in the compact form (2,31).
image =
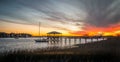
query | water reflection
(11,44)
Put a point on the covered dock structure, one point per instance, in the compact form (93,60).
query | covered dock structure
(54,36)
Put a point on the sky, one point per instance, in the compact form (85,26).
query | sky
(71,17)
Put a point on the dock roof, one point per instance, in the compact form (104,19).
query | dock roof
(54,32)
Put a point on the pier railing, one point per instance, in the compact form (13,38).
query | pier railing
(56,39)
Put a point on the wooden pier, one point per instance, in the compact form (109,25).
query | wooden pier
(75,39)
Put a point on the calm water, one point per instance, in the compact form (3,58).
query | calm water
(11,44)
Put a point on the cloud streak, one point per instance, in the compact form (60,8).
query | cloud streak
(63,13)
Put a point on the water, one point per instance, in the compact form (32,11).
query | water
(12,44)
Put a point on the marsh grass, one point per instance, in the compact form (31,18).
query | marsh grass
(25,56)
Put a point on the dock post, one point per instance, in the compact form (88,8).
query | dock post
(69,40)
(80,40)
(65,39)
(85,40)
(91,39)
(75,40)
(97,38)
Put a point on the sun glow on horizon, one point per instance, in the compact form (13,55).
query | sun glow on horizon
(34,30)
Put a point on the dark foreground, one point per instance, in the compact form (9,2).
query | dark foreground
(59,58)
(103,51)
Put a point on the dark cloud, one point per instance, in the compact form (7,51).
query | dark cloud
(102,12)
(99,13)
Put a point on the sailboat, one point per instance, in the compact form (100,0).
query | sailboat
(40,40)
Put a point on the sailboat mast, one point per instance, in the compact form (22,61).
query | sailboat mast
(39,29)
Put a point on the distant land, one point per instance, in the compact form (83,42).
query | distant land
(12,35)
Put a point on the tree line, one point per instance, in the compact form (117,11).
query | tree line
(12,35)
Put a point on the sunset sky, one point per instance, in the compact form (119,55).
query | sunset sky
(71,17)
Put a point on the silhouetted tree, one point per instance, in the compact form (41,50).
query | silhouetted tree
(3,34)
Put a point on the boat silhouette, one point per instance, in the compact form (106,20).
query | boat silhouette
(40,40)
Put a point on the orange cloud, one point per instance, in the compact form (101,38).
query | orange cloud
(93,30)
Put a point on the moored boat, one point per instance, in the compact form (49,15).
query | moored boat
(41,40)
